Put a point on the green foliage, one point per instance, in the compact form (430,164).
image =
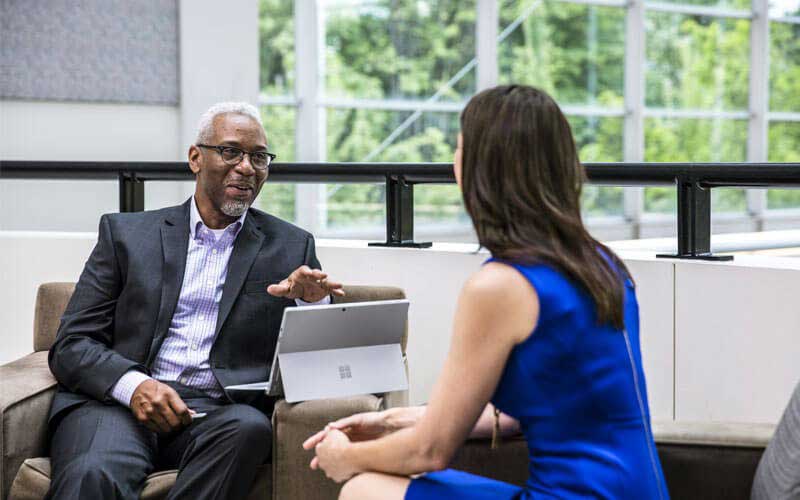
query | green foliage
(574,52)
(735,4)
(276,46)
(691,140)
(784,146)
(387,49)
(784,71)
(409,49)
(784,138)
(278,198)
(697,62)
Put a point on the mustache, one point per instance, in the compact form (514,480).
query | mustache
(240,183)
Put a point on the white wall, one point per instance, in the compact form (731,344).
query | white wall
(219,58)
(26,260)
(218,62)
(737,338)
(52,131)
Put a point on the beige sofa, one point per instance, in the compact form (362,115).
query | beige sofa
(27,388)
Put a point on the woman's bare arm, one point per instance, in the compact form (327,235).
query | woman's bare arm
(497,310)
(484,427)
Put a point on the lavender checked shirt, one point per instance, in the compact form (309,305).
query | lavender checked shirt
(184,355)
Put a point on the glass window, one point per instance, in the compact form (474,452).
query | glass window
(276,46)
(784,8)
(279,125)
(599,139)
(731,4)
(277,198)
(384,49)
(441,206)
(696,62)
(784,70)
(687,140)
(277,73)
(574,52)
(360,208)
(784,146)
(357,134)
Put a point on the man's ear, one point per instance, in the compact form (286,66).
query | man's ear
(194,158)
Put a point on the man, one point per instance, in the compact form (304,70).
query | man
(172,306)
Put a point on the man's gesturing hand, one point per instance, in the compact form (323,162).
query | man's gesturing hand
(159,407)
(307,284)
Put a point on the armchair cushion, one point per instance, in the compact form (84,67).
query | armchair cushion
(25,394)
(294,423)
(33,481)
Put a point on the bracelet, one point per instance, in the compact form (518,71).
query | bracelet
(496,429)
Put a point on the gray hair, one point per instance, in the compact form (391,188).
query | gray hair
(205,129)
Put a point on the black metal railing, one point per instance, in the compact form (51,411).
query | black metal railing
(693,182)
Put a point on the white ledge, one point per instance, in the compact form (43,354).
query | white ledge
(713,433)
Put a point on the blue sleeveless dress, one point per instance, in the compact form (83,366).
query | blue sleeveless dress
(578,391)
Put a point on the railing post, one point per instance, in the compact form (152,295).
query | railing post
(131,193)
(694,222)
(400,215)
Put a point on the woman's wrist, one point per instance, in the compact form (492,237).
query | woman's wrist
(351,456)
(400,418)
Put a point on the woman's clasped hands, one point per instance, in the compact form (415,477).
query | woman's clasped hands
(333,443)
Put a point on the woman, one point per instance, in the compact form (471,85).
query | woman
(547,329)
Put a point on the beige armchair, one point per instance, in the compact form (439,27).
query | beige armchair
(27,388)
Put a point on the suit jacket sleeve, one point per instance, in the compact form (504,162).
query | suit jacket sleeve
(81,358)
(311,254)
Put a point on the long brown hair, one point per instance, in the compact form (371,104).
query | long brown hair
(522,180)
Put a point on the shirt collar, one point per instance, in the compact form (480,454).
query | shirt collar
(195,219)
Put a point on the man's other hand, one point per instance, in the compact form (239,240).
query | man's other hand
(159,408)
(309,285)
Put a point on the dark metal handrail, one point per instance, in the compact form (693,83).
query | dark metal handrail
(616,174)
(693,181)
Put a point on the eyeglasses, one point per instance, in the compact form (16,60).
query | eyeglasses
(233,156)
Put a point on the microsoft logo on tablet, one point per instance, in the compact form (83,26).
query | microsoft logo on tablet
(344,372)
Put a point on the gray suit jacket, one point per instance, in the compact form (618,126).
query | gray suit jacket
(125,298)
(778,473)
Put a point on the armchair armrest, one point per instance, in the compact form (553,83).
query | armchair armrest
(291,425)
(710,460)
(26,391)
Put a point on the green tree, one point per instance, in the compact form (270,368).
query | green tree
(404,49)
(784,137)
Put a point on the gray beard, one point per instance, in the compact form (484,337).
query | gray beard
(234,208)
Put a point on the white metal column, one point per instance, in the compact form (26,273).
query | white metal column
(634,108)
(310,210)
(486,28)
(759,104)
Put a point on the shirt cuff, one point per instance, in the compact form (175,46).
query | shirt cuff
(123,390)
(322,302)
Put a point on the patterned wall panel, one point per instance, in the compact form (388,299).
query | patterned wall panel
(90,50)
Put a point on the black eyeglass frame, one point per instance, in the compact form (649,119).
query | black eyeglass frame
(242,152)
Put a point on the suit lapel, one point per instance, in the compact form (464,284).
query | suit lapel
(174,244)
(247,245)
